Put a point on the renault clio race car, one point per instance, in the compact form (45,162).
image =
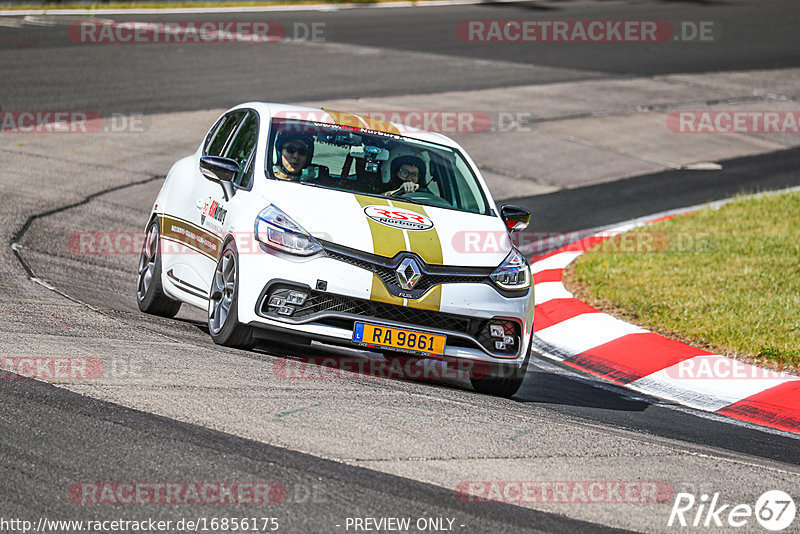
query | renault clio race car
(286,224)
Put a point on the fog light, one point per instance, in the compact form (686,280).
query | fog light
(286,310)
(276,302)
(499,345)
(508,340)
(496,330)
(296,297)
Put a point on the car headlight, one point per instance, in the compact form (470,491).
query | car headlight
(277,230)
(514,273)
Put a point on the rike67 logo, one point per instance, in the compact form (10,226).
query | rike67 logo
(774,510)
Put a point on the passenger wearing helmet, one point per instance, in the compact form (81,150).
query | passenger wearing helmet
(296,151)
(405,174)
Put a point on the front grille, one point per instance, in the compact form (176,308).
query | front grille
(330,308)
(400,314)
(384,268)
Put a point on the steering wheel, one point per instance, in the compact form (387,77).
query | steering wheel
(401,193)
(426,196)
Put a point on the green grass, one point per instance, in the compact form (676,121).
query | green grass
(725,279)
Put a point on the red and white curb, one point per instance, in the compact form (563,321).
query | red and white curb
(572,332)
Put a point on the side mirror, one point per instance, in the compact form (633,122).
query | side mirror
(220,170)
(516,218)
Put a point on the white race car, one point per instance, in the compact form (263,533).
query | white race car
(299,224)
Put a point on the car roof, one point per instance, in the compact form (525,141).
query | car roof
(344,118)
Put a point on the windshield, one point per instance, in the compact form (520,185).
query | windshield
(373,163)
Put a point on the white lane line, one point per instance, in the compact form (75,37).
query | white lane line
(35,20)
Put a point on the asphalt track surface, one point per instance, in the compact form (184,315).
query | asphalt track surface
(640,196)
(41,65)
(52,437)
(103,441)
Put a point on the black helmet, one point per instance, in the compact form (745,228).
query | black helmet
(305,138)
(409,160)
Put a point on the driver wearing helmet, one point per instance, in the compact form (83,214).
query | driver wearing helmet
(406,173)
(296,151)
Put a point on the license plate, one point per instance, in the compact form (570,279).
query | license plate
(372,335)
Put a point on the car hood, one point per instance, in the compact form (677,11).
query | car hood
(383,226)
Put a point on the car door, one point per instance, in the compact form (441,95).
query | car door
(198,218)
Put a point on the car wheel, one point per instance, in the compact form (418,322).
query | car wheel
(149,293)
(501,380)
(223,298)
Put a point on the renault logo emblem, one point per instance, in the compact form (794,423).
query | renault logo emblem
(408,273)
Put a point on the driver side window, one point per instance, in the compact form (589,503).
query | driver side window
(222,133)
(242,148)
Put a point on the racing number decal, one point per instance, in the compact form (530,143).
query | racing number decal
(389,234)
(398,218)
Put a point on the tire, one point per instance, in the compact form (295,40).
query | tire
(150,294)
(498,379)
(223,303)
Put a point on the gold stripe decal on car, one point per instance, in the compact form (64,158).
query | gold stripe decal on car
(431,300)
(381,294)
(424,242)
(345,119)
(386,241)
(379,125)
(191,236)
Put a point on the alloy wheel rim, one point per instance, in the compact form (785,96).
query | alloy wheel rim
(147,263)
(222,288)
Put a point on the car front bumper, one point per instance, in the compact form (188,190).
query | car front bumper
(340,293)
